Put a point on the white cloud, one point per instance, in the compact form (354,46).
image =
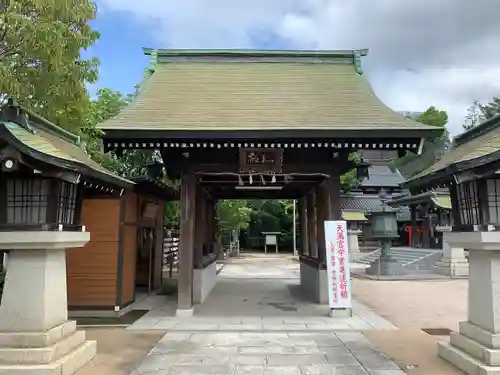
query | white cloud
(422,52)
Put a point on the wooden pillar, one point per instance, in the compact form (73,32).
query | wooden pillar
(322,214)
(200,227)
(332,183)
(311,224)
(304,237)
(186,236)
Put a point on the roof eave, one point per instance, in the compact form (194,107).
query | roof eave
(63,164)
(256,52)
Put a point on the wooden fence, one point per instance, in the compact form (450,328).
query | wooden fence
(171,252)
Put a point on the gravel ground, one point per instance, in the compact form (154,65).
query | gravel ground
(416,304)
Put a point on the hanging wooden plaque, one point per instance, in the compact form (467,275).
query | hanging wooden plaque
(261,160)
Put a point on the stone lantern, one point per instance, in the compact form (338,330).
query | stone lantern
(384,229)
(42,172)
(475,349)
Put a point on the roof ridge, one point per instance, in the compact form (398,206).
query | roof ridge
(263,52)
(30,121)
(484,127)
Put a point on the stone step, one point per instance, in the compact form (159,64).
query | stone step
(42,355)
(464,361)
(66,365)
(406,256)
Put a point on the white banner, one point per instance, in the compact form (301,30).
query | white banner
(337,260)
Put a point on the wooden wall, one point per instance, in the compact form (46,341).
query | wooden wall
(95,279)
(92,269)
(129,248)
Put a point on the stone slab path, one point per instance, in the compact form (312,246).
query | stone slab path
(266,353)
(254,323)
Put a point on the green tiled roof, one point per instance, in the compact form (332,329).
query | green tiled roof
(476,144)
(253,90)
(442,202)
(57,147)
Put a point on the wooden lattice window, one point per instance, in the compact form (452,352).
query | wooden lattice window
(468,203)
(493,189)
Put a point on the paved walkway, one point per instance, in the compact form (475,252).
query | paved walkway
(257,322)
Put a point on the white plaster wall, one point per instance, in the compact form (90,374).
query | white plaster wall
(204,281)
(314,283)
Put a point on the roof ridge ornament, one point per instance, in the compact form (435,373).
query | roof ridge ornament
(357,62)
(14,113)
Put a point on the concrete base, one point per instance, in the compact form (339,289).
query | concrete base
(184,313)
(314,283)
(204,281)
(341,313)
(36,337)
(385,268)
(452,269)
(473,350)
(60,350)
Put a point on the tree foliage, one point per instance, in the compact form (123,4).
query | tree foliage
(233,214)
(478,113)
(40,62)
(490,109)
(433,147)
(473,117)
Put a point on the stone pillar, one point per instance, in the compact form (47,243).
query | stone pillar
(35,334)
(186,244)
(453,263)
(475,349)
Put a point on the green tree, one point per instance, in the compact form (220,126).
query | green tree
(233,214)
(473,117)
(40,62)
(411,163)
(490,109)
(108,104)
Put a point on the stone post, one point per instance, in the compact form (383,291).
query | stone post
(453,263)
(35,334)
(475,349)
(353,242)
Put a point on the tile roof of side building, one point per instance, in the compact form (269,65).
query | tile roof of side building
(251,90)
(46,142)
(473,148)
(383,176)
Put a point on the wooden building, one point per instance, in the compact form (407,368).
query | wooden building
(258,124)
(124,217)
(428,211)
(357,203)
(125,254)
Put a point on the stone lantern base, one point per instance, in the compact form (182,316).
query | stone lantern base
(35,334)
(475,349)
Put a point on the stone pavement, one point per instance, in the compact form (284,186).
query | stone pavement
(256,323)
(266,353)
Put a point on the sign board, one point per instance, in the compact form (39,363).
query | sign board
(271,239)
(257,160)
(337,265)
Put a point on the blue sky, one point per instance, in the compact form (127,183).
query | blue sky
(120,51)
(417,57)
